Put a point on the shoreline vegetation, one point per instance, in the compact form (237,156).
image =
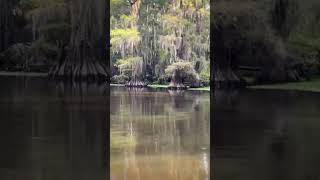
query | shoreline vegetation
(160,42)
(164,42)
(161,86)
(312,85)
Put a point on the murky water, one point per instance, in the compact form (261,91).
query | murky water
(266,135)
(159,134)
(52,131)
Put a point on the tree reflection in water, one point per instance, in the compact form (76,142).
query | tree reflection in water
(53,130)
(159,135)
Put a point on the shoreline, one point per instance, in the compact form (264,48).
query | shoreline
(25,74)
(158,86)
(312,85)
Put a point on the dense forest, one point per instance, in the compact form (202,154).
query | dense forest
(163,41)
(55,36)
(159,41)
(265,41)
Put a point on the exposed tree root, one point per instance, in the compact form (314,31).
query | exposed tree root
(136,83)
(176,85)
(226,78)
(84,70)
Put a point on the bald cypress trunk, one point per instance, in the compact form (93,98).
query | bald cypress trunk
(222,66)
(176,81)
(6,23)
(86,53)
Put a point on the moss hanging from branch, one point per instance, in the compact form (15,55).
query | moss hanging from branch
(169,31)
(125,41)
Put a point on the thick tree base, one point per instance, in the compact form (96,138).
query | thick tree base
(227,79)
(87,71)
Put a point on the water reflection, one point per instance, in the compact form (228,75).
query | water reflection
(51,131)
(159,135)
(267,135)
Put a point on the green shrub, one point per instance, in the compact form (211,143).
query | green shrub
(183,70)
(119,79)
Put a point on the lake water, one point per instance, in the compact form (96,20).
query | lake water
(51,131)
(266,135)
(159,134)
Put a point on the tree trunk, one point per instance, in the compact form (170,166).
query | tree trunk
(86,56)
(223,66)
(6,23)
(136,82)
(176,81)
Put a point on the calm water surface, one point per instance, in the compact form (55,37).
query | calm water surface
(51,131)
(159,134)
(266,135)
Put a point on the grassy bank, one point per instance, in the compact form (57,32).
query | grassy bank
(312,85)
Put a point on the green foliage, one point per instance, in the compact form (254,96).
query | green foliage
(120,79)
(119,7)
(50,26)
(305,37)
(205,72)
(306,46)
(16,55)
(161,33)
(172,22)
(129,66)
(122,36)
(185,70)
(127,21)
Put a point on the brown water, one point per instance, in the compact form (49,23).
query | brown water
(53,131)
(159,135)
(266,135)
(59,131)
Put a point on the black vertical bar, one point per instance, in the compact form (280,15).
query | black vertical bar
(212,88)
(106,122)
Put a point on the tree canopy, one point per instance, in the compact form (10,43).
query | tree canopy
(159,34)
